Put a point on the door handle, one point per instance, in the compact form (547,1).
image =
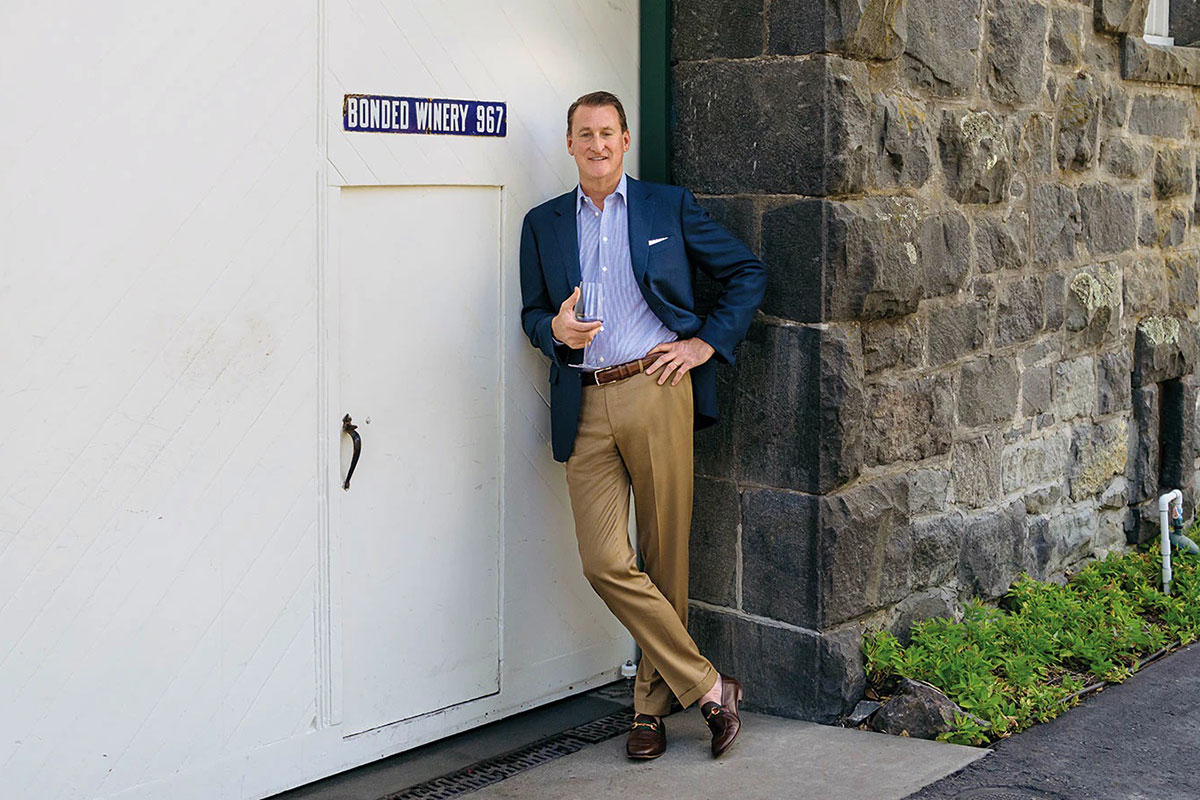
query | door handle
(350,428)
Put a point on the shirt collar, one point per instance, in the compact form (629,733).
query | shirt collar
(580,196)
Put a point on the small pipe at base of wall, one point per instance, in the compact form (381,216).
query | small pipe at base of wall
(1164,505)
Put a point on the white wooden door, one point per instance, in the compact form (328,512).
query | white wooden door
(419,363)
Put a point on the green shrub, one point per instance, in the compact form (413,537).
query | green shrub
(1013,666)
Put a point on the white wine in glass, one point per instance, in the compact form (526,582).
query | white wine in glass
(590,308)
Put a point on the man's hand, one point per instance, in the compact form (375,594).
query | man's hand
(679,356)
(569,330)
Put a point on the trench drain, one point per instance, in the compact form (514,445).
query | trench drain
(493,770)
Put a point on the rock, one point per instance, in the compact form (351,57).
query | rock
(909,419)
(1075,388)
(1164,348)
(975,471)
(862,712)
(1062,540)
(1098,452)
(1036,152)
(1043,500)
(720,29)
(1066,36)
(1110,533)
(1001,242)
(993,551)
(987,391)
(936,544)
(894,343)
(1115,108)
(778,562)
(1020,314)
(1033,462)
(1116,495)
(1147,230)
(1144,62)
(1078,121)
(917,710)
(1171,227)
(875,29)
(1093,306)
(1113,382)
(907,143)
(714,542)
(1121,16)
(919,607)
(1142,469)
(1159,115)
(1145,286)
(1056,223)
(1035,391)
(1183,283)
(1123,158)
(943,244)
(1174,170)
(976,158)
(1016,52)
(942,50)
(928,490)
(955,331)
(1109,222)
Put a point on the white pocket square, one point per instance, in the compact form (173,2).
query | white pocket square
(653,242)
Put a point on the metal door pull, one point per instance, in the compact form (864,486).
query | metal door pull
(348,427)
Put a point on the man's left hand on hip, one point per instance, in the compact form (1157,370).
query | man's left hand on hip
(679,357)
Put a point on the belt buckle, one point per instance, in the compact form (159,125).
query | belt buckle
(599,374)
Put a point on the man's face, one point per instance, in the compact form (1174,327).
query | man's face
(597,142)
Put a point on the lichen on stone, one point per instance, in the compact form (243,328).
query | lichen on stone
(978,126)
(1095,291)
(1160,330)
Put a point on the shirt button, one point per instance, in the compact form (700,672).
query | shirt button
(605,238)
(602,360)
(595,213)
(604,269)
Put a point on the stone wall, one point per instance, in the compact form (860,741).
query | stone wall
(976,354)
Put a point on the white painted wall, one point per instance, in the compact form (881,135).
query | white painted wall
(169,543)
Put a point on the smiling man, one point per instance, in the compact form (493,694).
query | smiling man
(629,424)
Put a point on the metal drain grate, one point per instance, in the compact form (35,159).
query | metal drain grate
(1003,793)
(494,770)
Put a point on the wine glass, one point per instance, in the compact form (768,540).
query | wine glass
(590,308)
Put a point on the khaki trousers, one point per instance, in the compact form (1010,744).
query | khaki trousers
(636,433)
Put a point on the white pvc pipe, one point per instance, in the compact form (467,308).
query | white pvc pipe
(1164,506)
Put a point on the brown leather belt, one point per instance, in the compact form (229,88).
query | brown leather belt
(619,372)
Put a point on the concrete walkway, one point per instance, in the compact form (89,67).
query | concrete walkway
(772,759)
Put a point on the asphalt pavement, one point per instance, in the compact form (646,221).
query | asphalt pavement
(1133,741)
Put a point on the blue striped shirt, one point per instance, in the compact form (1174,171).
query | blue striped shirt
(630,327)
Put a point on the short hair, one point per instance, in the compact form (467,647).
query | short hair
(594,99)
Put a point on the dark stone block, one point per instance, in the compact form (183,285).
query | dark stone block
(1115,109)
(1158,115)
(874,270)
(1109,221)
(920,607)
(1172,226)
(1183,283)
(871,29)
(908,420)
(936,545)
(1078,121)
(1036,152)
(905,158)
(793,245)
(865,549)
(1144,281)
(1147,231)
(955,331)
(975,471)
(976,157)
(1056,297)
(1121,16)
(1142,468)
(1061,541)
(1001,242)
(1056,223)
(993,551)
(1017,50)
(894,343)
(1114,382)
(704,29)
(779,565)
(944,245)
(1093,307)
(1143,62)
(1123,158)
(1164,348)
(1185,24)
(715,518)
(987,391)
(1035,391)
(713,447)
(798,419)
(795,673)
(1066,36)
(1020,314)
(942,51)
(738,215)
(1174,171)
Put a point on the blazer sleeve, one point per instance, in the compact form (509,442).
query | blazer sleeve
(724,258)
(537,308)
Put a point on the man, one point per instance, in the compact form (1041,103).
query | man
(630,423)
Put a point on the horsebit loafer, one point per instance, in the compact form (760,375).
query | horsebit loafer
(722,719)
(648,738)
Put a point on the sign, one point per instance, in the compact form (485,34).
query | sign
(373,113)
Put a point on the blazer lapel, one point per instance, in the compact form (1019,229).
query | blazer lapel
(641,218)
(566,229)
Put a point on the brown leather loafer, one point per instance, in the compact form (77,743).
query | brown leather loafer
(722,719)
(647,739)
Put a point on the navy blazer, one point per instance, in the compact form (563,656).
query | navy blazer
(664,273)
